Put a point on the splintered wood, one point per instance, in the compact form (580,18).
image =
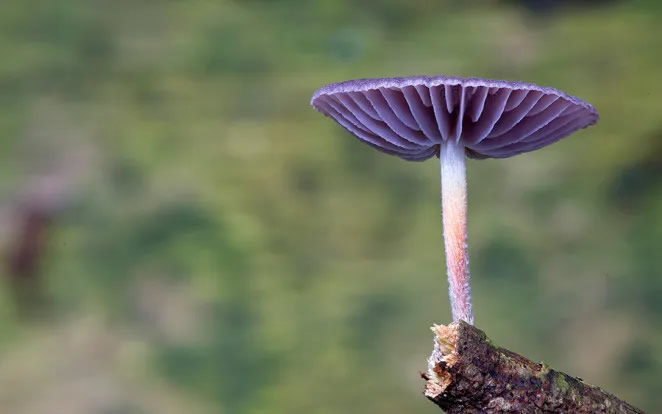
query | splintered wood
(470,375)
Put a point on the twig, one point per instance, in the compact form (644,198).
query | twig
(468,374)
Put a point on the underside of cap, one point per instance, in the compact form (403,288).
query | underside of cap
(411,117)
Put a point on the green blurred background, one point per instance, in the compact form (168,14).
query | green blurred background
(183,233)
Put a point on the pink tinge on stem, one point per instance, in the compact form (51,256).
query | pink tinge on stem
(454,217)
(418,117)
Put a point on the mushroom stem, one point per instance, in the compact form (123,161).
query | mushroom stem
(454,218)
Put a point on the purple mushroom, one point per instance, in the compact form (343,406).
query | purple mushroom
(417,117)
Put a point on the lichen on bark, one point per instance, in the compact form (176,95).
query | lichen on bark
(469,374)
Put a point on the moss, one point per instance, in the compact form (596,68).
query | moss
(560,383)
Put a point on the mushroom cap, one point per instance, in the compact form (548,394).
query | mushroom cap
(410,117)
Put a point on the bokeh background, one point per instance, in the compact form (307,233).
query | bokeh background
(182,233)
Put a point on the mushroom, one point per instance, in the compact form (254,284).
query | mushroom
(415,118)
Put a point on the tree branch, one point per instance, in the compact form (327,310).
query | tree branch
(468,374)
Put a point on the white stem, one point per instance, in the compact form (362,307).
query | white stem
(454,217)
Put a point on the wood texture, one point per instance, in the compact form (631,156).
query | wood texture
(469,374)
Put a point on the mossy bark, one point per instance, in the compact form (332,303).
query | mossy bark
(470,375)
